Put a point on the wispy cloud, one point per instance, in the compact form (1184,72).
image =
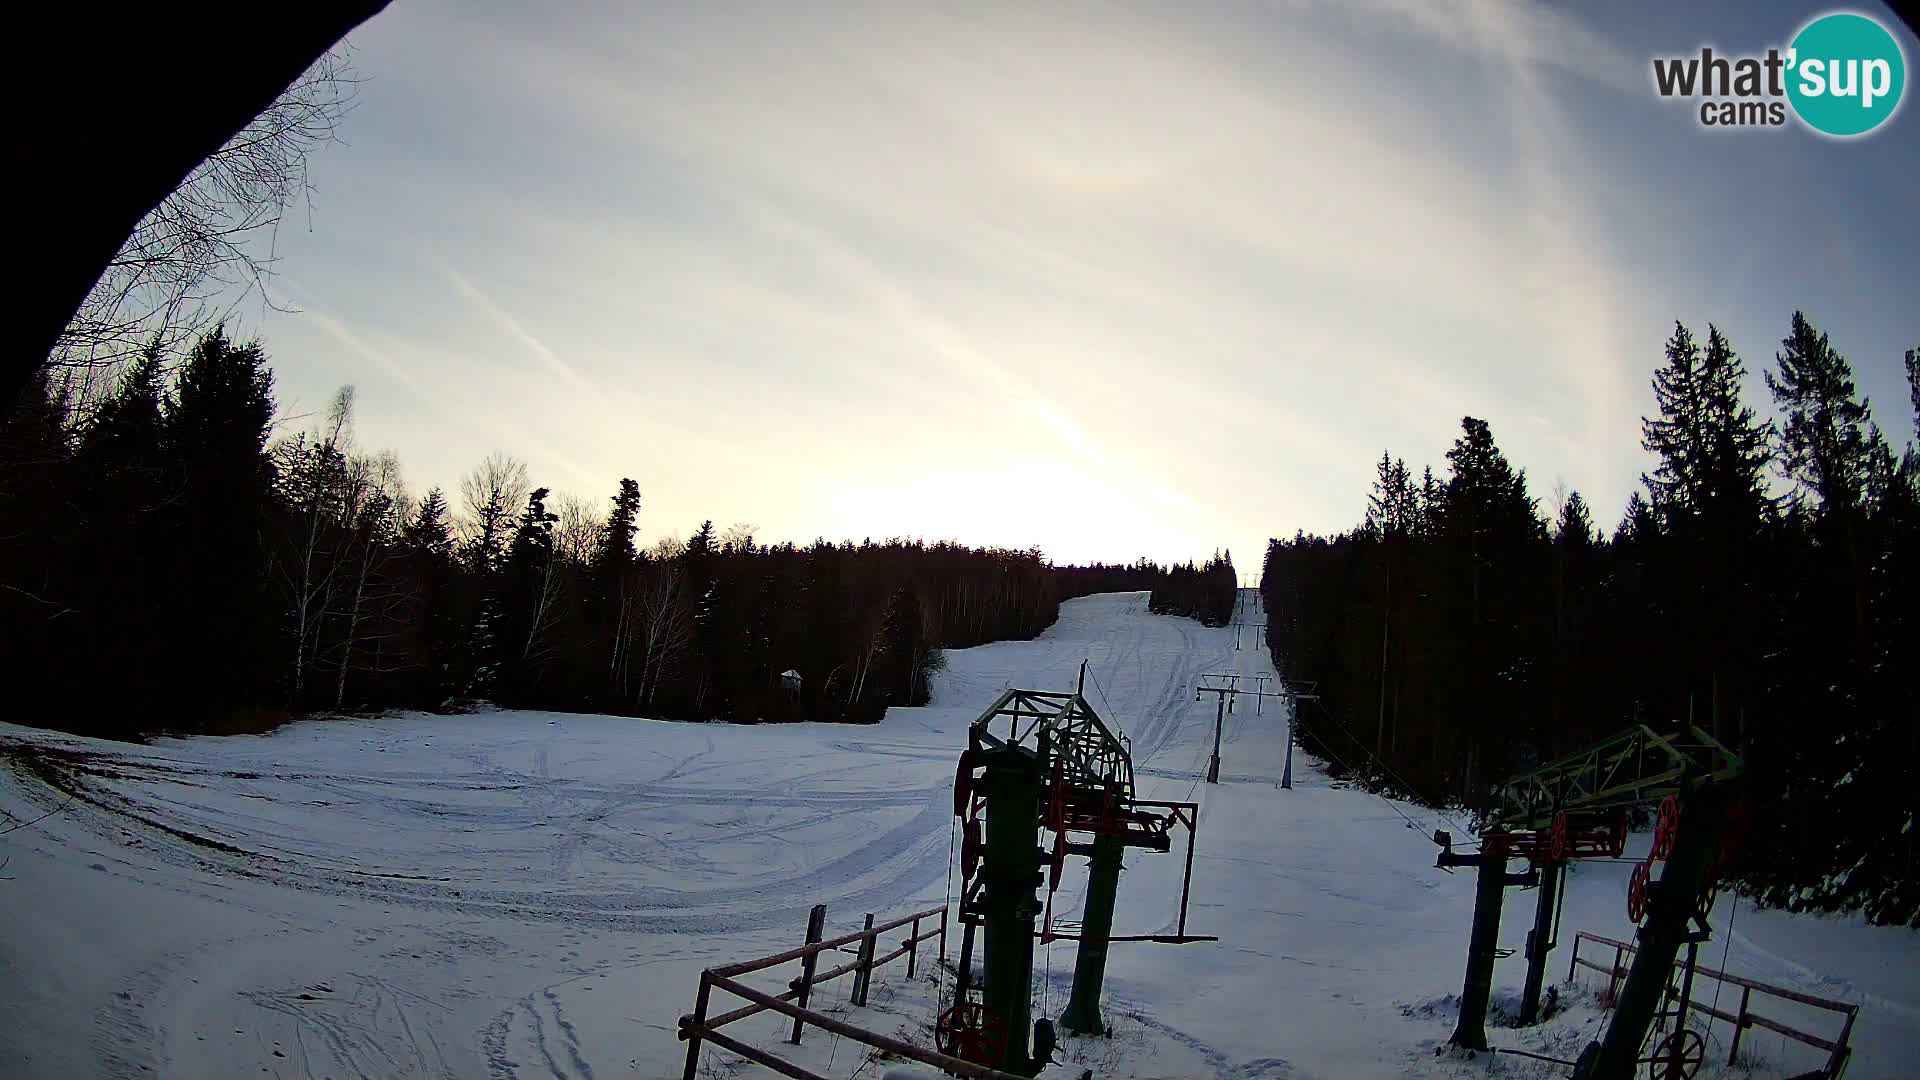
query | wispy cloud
(1205,260)
(408,374)
(534,345)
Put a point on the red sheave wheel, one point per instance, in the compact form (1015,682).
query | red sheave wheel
(1637,891)
(963,783)
(972,1032)
(1665,828)
(1678,1056)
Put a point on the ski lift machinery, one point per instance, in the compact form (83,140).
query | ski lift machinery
(1044,760)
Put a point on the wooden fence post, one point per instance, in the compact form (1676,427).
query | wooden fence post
(864,971)
(943,935)
(816,925)
(1838,1063)
(1740,1025)
(1575,962)
(699,1021)
(913,945)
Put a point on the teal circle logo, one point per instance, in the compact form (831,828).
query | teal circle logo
(1845,74)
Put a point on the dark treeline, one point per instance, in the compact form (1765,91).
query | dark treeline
(1764,584)
(1205,592)
(167,562)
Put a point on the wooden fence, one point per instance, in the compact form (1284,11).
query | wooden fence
(698,1027)
(1744,1017)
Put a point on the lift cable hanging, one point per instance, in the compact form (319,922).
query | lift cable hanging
(1390,804)
(1396,777)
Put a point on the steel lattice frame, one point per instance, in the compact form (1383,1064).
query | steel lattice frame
(1636,766)
(1094,758)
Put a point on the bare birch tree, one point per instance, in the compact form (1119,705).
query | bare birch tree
(375,511)
(662,622)
(211,243)
(313,473)
(873,648)
(546,610)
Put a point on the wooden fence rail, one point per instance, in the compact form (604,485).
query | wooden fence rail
(698,1027)
(1837,1048)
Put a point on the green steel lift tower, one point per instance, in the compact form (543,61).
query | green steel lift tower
(1576,807)
(1043,761)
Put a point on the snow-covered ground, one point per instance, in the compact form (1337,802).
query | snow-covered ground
(533,895)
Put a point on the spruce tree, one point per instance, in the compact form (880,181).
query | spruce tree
(214,435)
(1393,505)
(1708,489)
(428,532)
(125,433)
(1913,387)
(427,540)
(1738,447)
(528,605)
(1489,525)
(701,543)
(123,488)
(1427,501)
(1574,526)
(616,540)
(1638,524)
(1825,425)
(49,579)
(1574,561)
(1678,437)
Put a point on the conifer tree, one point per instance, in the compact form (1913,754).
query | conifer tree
(1678,437)
(214,434)
(1913,386)
(46,614)
(124,435)
(616,540)
(1824,434)
(1738,446)
(429,532)
(529,598)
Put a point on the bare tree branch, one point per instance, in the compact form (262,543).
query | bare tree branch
(214,235)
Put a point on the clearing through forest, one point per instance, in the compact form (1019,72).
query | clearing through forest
(518,894)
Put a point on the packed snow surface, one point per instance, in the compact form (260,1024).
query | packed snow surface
(519,894)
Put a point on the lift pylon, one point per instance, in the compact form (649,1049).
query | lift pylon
(1226,688)
(1576,807)
(1042,760)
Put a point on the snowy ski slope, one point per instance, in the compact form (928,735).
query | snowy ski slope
(533,895)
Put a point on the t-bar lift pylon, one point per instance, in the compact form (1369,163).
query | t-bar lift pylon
(1576,807)
(1225,686)
(1044,759)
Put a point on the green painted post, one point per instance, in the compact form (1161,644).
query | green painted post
(1670,907)
(1219,720)
(1489,889)
(1082,1015)
(1540,942)
(1010,874)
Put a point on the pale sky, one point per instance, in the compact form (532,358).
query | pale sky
(1113,279)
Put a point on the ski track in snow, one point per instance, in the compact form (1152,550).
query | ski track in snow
(532,895)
